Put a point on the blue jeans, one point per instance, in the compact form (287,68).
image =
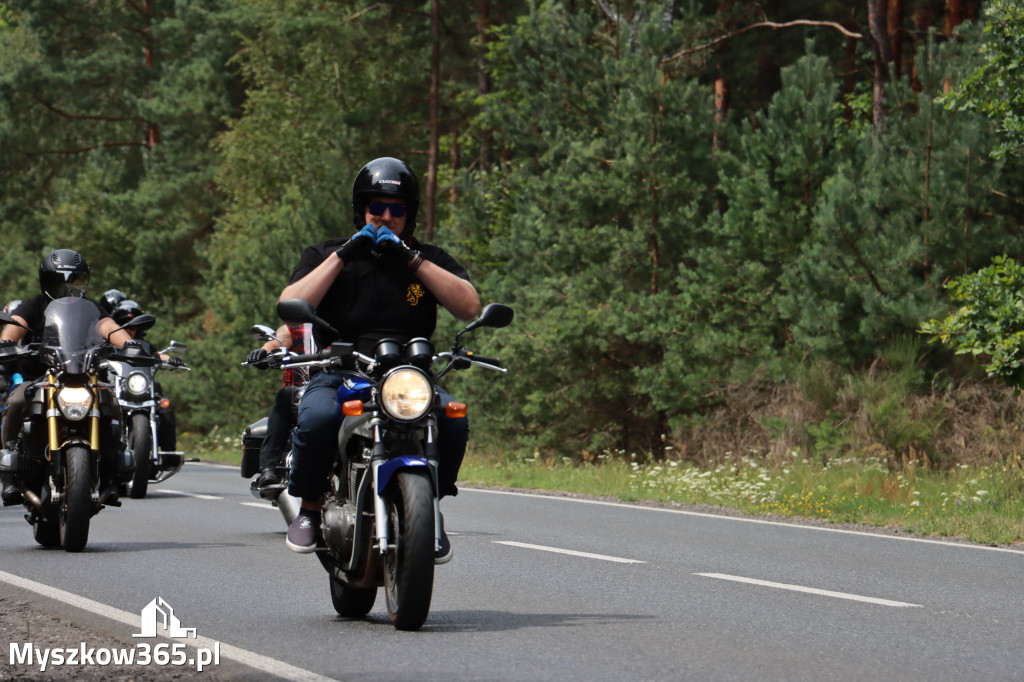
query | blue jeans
(315,440)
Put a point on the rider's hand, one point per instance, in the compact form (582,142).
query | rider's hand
(358,246)
(392,249)
(133,343)
(255,357)
(174,362)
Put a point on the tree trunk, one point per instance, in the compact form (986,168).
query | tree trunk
(435,128)
(894,25)
(721,107)
(956,12)
(152,130)
(880,46)
(483,79)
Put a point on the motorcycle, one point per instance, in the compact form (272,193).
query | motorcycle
(255,433)
(135,389)
(69,461)
(381,523)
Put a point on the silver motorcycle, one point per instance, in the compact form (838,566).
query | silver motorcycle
(134,387)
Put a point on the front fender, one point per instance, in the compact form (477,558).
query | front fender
(392,466)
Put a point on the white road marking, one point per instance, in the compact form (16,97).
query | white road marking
(809,590)
(198,496)
(263,505)
(571,552)
(743,519)
(253,660)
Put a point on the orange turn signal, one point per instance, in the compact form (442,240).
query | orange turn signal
(352,408)
(454,409)
(165,403)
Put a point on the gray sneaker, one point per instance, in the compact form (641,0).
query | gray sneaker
(304,531)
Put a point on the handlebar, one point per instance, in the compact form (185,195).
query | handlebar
(283,359)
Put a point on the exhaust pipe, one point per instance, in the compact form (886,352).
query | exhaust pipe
(34,500)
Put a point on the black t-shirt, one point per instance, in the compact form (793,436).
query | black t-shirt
(33,310)
(370,300)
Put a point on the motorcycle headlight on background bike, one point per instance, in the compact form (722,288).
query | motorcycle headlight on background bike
(74,403)
(138,383)
(406,394)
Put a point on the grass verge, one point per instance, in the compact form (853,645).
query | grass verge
(982,504)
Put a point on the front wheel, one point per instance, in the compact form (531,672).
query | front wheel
(409,561)
(76,500)
(140,440)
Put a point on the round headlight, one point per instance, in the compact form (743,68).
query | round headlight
(406,394)
(138,383)
(74,403)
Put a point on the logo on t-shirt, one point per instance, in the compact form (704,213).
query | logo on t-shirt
(414,294)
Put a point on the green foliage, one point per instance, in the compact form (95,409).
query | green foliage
(996,87)
(657,255)
(989,321)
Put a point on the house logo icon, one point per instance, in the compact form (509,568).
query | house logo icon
(158,618)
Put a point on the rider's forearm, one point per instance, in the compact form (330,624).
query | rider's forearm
(313,287)
(13,332)
(459,296)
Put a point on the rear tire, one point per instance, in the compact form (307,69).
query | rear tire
(409,562)
(351,602)
(140,440)
(76,501)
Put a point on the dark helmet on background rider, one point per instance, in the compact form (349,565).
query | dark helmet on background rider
(125,311)
(64,273)
(12,306)
(110,300)
(386,177)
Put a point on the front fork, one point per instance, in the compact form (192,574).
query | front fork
(53,415)
(380,511)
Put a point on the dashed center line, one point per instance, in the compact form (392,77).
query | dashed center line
(810,590)
(570,552)
(198,496)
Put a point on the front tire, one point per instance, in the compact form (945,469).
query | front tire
(351,602)
(140,440)
(409,561)
(76,501)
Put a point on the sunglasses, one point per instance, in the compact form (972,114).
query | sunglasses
(378,208)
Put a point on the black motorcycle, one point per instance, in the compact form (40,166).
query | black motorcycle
(69,460)
(381,525)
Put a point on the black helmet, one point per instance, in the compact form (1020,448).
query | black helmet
(125,311)
(386,177)
(11,306)
(111,298)
(64,273)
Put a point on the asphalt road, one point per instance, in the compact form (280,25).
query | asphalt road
(541,588)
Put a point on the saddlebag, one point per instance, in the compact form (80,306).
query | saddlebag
(252,441)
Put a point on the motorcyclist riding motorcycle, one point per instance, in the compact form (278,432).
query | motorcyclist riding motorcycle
(62,273)
(122,309)
(380,283)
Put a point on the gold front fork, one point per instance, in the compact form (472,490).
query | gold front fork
(52,414)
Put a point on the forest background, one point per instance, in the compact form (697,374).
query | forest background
(722,224)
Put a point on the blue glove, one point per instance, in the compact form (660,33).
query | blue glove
(395,250)
(358,246)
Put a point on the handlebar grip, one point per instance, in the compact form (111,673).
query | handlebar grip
(483,358)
